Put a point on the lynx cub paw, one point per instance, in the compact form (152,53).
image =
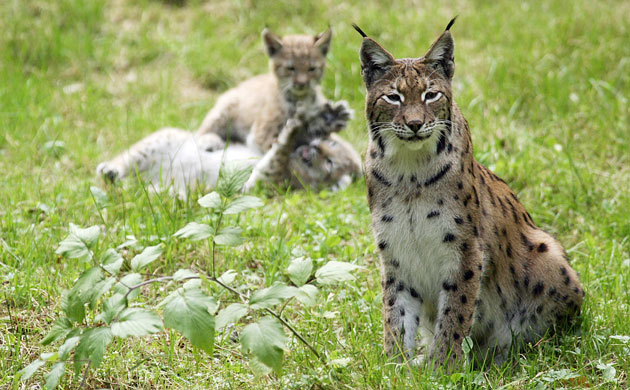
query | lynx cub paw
(109,171)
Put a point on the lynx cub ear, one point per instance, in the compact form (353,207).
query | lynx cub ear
(273,43)
(322,41)
(440,55)
(375,61)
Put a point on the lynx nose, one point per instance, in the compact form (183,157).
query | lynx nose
(415,125)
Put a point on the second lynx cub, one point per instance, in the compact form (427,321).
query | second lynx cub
(255,111)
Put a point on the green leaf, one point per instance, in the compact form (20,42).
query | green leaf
(307,294)
(111,307)
(88,235)
(59,330)
(231,314)
(300,270)
(92,347)
(100,196)
(183,274)
(73,248)
(335,272)
(243,203)
(67,347)
(609,372)
(271,296)
(101,288)
(266,341)
(111,261)
(467,345)
(258,367)
(136,322)
(229,235)
(29,370)
(81,293)
(195,231)
(210,201)
(228,276)
(231,179)
(188,310)
(148,255)
(55,374)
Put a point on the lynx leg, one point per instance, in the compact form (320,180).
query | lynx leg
(401,306)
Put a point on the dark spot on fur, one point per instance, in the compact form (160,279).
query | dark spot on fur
(455,197)
(395,263)
(468,275)
(433,214)
(563,271)
(401,286)
(391,301)
(413,292)
(463,247)
(508,251)
(458,220)
(402,312)
(542,248)
(449,237)
(456,336)
(387,218)
(552,292)
(538,289)
(460,318)
(527,243)
(463,299)
(391,280)
(440,202)
(379,176)
(438,175)
(447,310)
(417,320)
(526,281)
(382,245)
(460,185)
(475,231)
(512,270)
(539,309)
(447,286)
(567,280)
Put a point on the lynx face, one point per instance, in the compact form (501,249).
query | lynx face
(325,161)
(298,61)
(409,99)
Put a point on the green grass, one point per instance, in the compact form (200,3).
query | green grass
(544,86)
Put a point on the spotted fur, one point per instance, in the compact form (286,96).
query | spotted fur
(460,255)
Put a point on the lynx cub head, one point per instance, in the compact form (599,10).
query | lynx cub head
(330,162)
(408,99)
(298,61)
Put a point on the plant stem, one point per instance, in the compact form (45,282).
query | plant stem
(283,321)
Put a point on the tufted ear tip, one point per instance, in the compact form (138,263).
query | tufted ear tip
(450,24)
(364,35)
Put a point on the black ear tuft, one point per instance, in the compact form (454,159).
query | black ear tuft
(364,35)
(451,23)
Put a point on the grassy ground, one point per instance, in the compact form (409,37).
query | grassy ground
(544,86)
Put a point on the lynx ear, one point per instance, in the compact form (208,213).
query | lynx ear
(440,55)
(273,43)
(375,61)
(322,41)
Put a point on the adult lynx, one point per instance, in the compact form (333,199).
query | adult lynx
(460,254)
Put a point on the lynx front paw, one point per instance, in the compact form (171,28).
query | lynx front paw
(109,171)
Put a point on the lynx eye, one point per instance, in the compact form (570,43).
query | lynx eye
(311,69)
(431,96)
(291,68)
(393,98)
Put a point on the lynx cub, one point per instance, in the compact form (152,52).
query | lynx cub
(255,111)
(181,159)
(460,254)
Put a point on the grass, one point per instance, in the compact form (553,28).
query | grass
(544,86)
